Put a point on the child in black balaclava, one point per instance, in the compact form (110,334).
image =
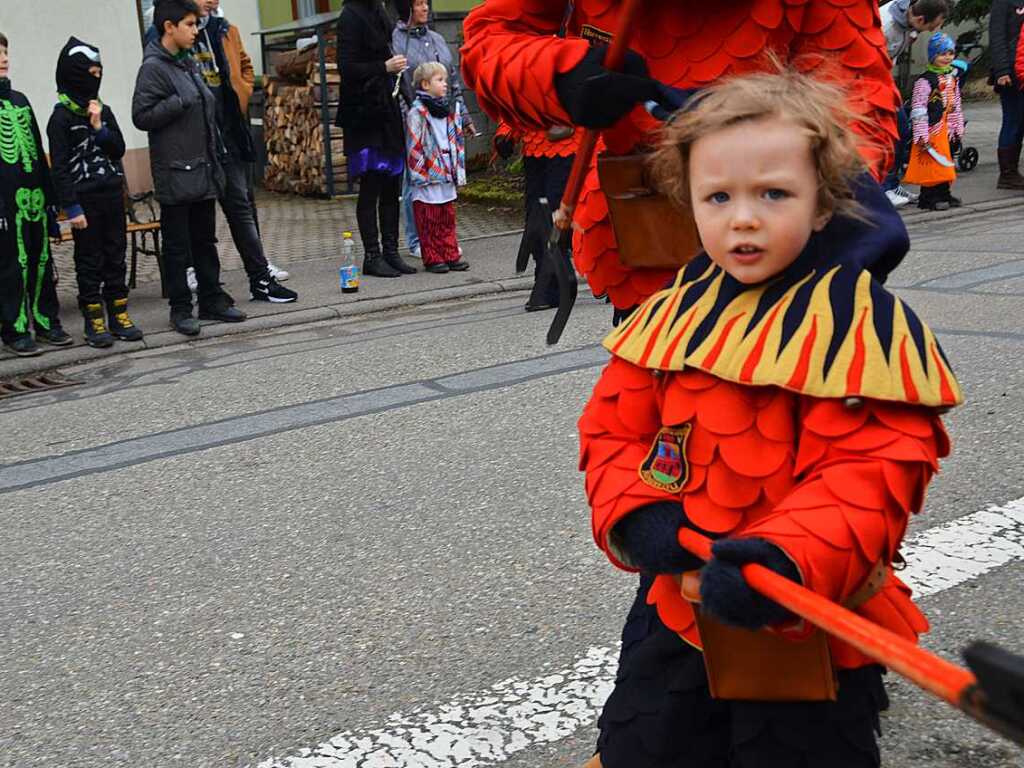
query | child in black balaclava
(86,147)
(28,296)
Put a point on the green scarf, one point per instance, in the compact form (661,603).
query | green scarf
(73,105)
(940,70)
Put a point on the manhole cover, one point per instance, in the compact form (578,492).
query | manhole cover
(27,386)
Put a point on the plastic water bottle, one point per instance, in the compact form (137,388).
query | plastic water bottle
(349,272)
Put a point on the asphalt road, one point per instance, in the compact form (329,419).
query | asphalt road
(223,553)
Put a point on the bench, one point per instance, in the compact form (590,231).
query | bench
(142,226)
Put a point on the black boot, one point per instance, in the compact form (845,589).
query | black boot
(395,261)
(375,266)
(96,333)
(121,325)
(1009,165)
(389,212)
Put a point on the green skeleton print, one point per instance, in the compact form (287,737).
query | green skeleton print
(17,145)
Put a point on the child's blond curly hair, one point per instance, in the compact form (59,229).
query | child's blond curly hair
(427,70)
(817,107)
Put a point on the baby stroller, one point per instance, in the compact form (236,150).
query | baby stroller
(966,158)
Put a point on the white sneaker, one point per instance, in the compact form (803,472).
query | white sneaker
(278,274)
(896,198)
(911,196)
(190,277)
(460,250)
(416,253)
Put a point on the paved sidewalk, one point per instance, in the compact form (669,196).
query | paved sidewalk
(304,235)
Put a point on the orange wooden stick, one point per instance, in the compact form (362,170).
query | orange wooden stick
(946,680)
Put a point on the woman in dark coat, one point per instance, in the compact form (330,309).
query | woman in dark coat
(370,117)
(1004,32)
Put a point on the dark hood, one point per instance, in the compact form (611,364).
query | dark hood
(73,77)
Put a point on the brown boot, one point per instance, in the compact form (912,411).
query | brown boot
(1009,163)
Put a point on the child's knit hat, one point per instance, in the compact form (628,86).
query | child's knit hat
(938,44)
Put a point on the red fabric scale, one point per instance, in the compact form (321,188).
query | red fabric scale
(832,485)
(511,57)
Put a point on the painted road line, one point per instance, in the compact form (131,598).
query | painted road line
(487,728)
(974,277)
(176,442)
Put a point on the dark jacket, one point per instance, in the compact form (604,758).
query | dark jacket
(367,113)
(173,105)
(1003,33)
(29,169)
(84,163)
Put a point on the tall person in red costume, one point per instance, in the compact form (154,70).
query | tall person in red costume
(524,75)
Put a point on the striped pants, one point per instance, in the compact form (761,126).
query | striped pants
(436,227)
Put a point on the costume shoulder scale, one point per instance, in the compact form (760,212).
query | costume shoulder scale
(829,331)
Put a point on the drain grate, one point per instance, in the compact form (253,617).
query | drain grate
(43,383)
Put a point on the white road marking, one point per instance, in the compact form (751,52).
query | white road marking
(486,728)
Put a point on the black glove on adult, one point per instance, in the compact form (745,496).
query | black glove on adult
(724,592)
(504,146)
(594,97)
(648,536)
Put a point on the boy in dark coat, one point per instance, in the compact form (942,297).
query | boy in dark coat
(178,111)
(27,292)
(86,147)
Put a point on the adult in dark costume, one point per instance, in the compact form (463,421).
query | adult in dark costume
(369,115)
(28,295)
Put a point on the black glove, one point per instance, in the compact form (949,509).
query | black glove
(724,592)
(649,537)
(504,146)
(597,98)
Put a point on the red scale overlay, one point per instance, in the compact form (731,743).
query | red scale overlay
(511,57)
(832,485)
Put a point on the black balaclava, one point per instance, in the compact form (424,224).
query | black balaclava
(73,77)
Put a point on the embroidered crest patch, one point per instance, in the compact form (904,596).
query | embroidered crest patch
(665,467)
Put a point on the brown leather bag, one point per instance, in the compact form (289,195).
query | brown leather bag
(650,230)
(764,666)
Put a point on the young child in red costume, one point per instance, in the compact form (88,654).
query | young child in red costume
(526,75)
(778,399)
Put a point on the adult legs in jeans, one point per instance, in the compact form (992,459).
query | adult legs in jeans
(412,237)
(239,209)
(902,151)
(189,233)
(1010,135)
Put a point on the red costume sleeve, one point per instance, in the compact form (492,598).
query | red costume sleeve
(862,472)
(511,57)
(616,431)
(844,41)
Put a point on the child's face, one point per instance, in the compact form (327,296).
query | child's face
(436,86)
(5,62)
(944,59)
(96,71)
(183,34)
(754,187)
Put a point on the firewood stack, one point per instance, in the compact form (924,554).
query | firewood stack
(293,126)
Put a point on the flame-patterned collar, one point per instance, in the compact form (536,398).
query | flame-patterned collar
(820,328)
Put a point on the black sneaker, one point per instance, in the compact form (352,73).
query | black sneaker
(185,324)
(23,346)
(954,202)
(268,289)
(56,336)
(458,266)
(224,314)
(437,269)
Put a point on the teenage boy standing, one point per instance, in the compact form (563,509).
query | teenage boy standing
(178,111)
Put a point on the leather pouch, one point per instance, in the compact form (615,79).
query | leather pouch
(650,230)
(761,666)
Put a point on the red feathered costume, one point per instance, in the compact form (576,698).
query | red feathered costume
(511,57)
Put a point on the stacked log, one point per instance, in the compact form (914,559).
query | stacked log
(293,131)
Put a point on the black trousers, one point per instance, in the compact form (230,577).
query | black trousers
(100,251)
(545,177)
(239,205)
(378,198)
(28,294)
(190,239)
(661,715)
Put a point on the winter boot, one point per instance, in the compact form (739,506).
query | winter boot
(96,333)
(389,245)
(375,266)
(121,325)
(1009,164)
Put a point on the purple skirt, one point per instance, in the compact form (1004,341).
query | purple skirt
(374,159)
